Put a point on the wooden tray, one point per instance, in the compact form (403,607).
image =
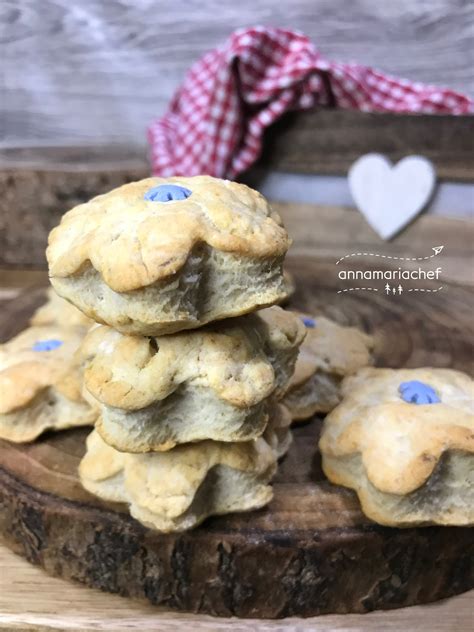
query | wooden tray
(311,551)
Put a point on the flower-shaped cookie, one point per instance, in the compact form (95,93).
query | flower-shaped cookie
(177,490)
(216,382)
(146,261)
(57,311)
(277,433)
(404,441)
(328,354)
(40,385)
(290,287)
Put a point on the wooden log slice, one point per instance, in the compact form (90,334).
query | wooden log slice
(311,551)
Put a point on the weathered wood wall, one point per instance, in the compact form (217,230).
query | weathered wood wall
(97,71)
(329,141)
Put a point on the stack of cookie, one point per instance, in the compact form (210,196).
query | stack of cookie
(184,372)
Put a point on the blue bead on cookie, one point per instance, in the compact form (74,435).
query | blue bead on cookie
(308,322)
(415,392)
(167,193)
(47,345)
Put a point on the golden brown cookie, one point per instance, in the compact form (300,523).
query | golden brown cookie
(177,490)
(40,385)
(277,433)
(404,441)
(329,353)
(147,263)
(57,311)
(290,287)
(216,382)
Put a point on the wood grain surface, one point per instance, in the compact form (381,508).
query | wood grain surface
(32,202)
(329,141)
(323,142)
(31,600)
(311,551)
(91,71)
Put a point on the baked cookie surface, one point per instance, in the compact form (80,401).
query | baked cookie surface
(404,441)
(40,384)
(290,287)
(58,311)
(216,383)
(146,264)
(177,490)
(328,353)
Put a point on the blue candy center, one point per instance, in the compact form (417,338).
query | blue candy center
(47,345)
(309,322)
(167,193)
(415,392)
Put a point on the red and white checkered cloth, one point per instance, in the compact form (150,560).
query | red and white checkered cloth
(216,120)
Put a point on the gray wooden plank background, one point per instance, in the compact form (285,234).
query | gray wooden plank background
(80,72)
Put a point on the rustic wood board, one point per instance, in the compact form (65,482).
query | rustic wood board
(328,141)
(30,600)
(310,552)
(319,141)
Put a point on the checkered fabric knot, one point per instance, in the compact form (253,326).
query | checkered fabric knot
(216,120)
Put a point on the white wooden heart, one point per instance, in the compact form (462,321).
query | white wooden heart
(389,196)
